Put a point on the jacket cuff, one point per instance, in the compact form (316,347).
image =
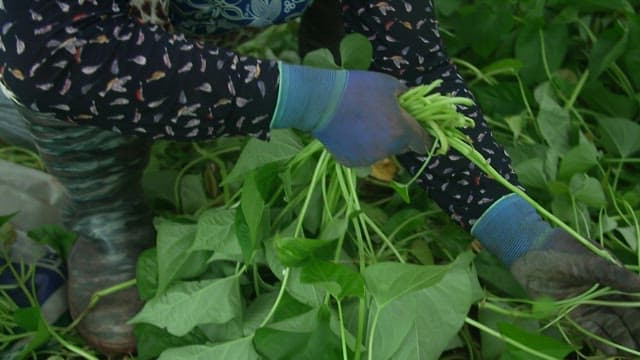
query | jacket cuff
(307,97)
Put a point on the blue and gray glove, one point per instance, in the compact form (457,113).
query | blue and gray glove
(548,261)
(355,114)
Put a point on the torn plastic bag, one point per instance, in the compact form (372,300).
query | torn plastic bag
(35,199)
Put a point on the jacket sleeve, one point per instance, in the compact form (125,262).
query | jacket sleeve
(91,63)
(407,45)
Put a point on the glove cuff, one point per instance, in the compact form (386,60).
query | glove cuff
(510,228)
(307,97)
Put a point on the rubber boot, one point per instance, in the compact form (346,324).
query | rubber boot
(101,172)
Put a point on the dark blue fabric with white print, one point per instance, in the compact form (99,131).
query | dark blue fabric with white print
(88,62)
(206,17)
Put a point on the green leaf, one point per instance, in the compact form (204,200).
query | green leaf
(173,242)
(422,252)
(544,307)
(388,281)
(320,58)
(620,135)
(449,7)
(305,293)
(252,205)
(152,340)
(503,98)
(579,159)
(59,238)
(607,49)
(335,229)
(489,25)
(30,319)
(5,218)
(503,66)
(239,349)
(553,120)
(491,346)
(631,58)
(294,251)
(531,173)
(301,323)
(337,279)
(629,235)
(516,124)
(402,190)
(193,195)
(259,308)
(147,274)
(496,276)
(318,342)
(599,5)
(601,99)
(159,185)
(544,344)
(27,318)
(356,52)
(528,50)
(194,265)
(189,304)
(244,236)
(313,215)
(283,145)
(216,232)
(587,190)
(421,324)
(403,223)
(230,330)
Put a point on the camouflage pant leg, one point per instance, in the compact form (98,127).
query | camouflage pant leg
(101,172)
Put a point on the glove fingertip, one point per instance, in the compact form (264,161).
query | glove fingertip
(619,278)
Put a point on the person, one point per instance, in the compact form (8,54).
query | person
(96,86)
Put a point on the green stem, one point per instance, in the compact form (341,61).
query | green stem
(636,227)
(622,160)
(500,310)
(30,154)
(603,340)
(372,333)
(523,94)
(477,158)
(362,311)
(95,298)
(20,280)
(6,339)
(576,92)
(351,206)
(343,336)
(384,237)
(178,183)
(320,168)
(400,226)
(543,52)
(76,350)
(506,339)
(477,72)
(274,307)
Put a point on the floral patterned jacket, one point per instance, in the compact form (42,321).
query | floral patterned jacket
(208,17)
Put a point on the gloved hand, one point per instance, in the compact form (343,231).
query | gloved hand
(355,114)
(548,261)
